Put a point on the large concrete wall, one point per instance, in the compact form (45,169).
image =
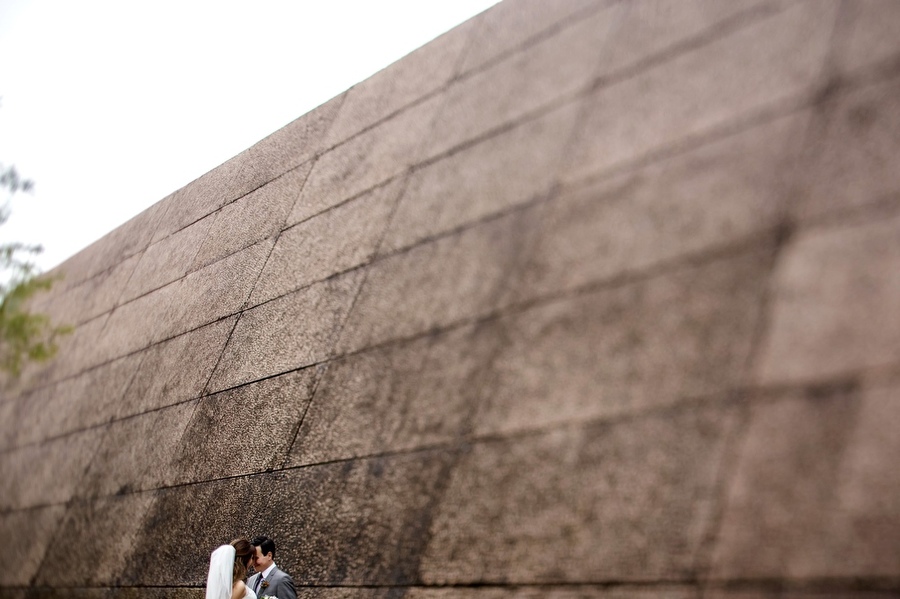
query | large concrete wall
(582,299)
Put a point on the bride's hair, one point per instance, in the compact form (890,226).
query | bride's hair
(243,552)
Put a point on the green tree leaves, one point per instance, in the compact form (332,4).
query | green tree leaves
(24,335)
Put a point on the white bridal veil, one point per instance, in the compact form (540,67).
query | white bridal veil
(221,567)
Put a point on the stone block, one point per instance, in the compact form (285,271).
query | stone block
(396,398)
(493,176)
(290,332)
(169,259)
(141,322)
(514,88)
(398,85)
(200,198)
(629,501)
(332,242)
(92,297)
(289,147)
(258,215)
(647,30)
(507,26)
(176,370)
(34,530)
(600,41)
(853,150)
(122,242)
(135,454)
(685,334)
(368,159)
(768,61)
(94,540)
(209,514)
(433,285)
(11,409)
(243,431)
(46,474)
(220,289)
(362,522)
(663,591)
(837,589)
(719,194)
(660,591)
(869,36)
(81,349)
(45,592)
(211,293)
(85,400)
(158,593)
(815,485)
(834,306)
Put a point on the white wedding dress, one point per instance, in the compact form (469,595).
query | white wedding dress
(218,582)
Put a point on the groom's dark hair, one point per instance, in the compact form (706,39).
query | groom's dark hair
(265,544)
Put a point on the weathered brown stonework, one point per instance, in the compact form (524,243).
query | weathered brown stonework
(583,299)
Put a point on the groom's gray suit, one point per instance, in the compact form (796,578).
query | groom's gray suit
(281,585)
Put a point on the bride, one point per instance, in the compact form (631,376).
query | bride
(227,569)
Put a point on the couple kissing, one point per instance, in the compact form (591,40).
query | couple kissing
(228,566)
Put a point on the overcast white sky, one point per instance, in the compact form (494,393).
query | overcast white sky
(109,106)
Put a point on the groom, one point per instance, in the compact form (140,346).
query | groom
(269,581)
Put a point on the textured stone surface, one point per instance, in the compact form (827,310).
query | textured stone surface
(135,453)
(91,298)
(158,593)
(653,29)
(687,333)
(397,397)
(208,294)
(359,522)
(120,243)
(829,315)
(169,259)
(48,473)
(668,591)
(664,591)
(243,431)
(81,348)
(871,34)
(435,284)
(287,148)
(178,369)
(766,591)
(256,216)
(853,150)
(93,541)
(349,522)
(293,331)
(200,198)
(332,242)
(492,176)
(509,25)
(10,408)
(595,45)
(366,160)
(86,400)
(588,298)
(417,74)
(725,79)
(36,529)
(209,514)
(628,501)
(714,196)
(813,479)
